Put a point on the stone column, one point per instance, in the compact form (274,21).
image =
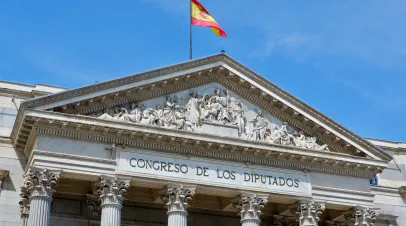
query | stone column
(362,216)
(309,212)
(176,198)
(40,185)
(24,205)
(111,192)
(250,206)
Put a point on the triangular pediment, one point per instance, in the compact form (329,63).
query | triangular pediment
(213,109)
(213,95)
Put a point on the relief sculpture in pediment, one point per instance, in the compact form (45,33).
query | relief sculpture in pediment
(218,108)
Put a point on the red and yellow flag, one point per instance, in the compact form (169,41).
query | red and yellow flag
(201,17)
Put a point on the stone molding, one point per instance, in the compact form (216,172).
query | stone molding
(177,197)
(210,146)
(297,113)
(40,182)
(111,190)
(308,212)
(362,216)
(249,206)
(402,191)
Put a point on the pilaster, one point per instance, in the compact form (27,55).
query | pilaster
(249,205)
(176,198)
(308,212)
(39,185)
(111,192)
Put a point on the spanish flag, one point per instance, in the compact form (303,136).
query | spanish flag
(201,17)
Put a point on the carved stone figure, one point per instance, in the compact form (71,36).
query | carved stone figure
(218,108)
(238,117)
(260,125)
(300,141)
(148,117)
(169,112)
(193,108)
(106,115)
(211,110)
(159,114)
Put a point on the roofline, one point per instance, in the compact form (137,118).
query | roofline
(119,81)
(390,145)
(220,57)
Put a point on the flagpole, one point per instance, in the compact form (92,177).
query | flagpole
(190,32)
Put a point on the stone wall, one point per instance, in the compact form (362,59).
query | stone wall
(9,195)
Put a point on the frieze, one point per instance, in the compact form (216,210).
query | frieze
(217,109)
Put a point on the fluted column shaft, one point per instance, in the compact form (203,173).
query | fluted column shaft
(111,215)
(250,206)
(178,218)
(39,187)
(40,211)
(111,192)
(176,198)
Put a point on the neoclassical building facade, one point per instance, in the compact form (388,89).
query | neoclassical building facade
(205,142)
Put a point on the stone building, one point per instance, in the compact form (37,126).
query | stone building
(207,142)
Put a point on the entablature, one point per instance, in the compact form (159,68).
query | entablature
(194,144)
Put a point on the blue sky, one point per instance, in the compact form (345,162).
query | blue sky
(345,58)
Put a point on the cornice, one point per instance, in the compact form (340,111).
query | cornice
(202,145)
(342,191)
(387,190)
(123,80)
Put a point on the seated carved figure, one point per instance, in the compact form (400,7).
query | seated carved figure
(211,110)
(300,141)
(148,117)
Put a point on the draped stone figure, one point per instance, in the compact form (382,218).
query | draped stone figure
(193,108)
(169,112)
(238,117)
(260,125)
(159,113)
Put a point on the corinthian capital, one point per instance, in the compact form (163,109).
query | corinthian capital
(176,197)
(309,212)
(362,216)
(40,182)
(249,205)
(111,190)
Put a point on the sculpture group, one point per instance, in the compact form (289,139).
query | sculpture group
(217,108)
